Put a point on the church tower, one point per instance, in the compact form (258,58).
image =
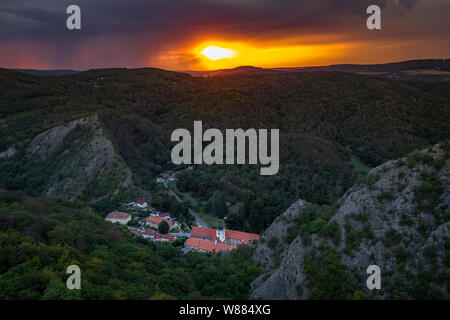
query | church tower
(220,233)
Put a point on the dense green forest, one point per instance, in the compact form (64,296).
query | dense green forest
(333,126)
(328,121)
(40,238)
(397,218)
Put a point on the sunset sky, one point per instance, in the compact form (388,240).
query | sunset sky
(214,34)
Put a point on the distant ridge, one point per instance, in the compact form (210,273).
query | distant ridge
(436,64)
(439,65)
(227,72)
(392,69)
(47,72)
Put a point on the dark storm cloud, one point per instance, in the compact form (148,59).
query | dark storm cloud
(115,32)
(47,18)
(408,4)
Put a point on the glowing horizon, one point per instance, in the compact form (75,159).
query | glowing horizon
(234,54)
(267,34)
(217,53)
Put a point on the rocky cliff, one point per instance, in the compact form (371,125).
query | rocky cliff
(397,217)
(75,159)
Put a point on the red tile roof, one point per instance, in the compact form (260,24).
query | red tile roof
(245,237)
(158,220)
(117,215)
(141,202)
(165,236)
(209,233)
(208,245)
(204,233)
(149,232)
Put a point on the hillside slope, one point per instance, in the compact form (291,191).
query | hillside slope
(397,218)
(40,238)
(69,161)
(330,123)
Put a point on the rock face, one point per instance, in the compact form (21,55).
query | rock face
(83,160)
(398,218)
(264,255)
(47,142)
(278,285)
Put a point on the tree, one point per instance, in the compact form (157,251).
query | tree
(217,204)
(134,223)
(163,227)
(57,290)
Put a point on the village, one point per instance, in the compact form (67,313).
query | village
(158,227)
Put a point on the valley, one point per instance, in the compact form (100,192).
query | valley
(362,179)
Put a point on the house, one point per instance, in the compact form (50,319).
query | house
(148,234)
(165,215)
(118,217)
(136,233)
(163,237)
(141,204)
(223,236)
(206,245)
(154,221)
(172,178)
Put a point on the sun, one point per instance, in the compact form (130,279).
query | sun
(216,53)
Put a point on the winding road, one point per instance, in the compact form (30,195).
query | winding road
(198,220)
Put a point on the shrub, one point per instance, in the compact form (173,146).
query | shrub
(386,195)
(430,253)
(292,233)
(332,231)
(272,243)
(427,158)
(391,237)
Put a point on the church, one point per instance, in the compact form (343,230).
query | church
(216,240)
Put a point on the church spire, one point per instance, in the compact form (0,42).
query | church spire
(220,233)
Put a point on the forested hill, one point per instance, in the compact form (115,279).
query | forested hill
(397,218)
(424,66)
(333,126)
(40,238)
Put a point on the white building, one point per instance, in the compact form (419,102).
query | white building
(118,217)
(141,204)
